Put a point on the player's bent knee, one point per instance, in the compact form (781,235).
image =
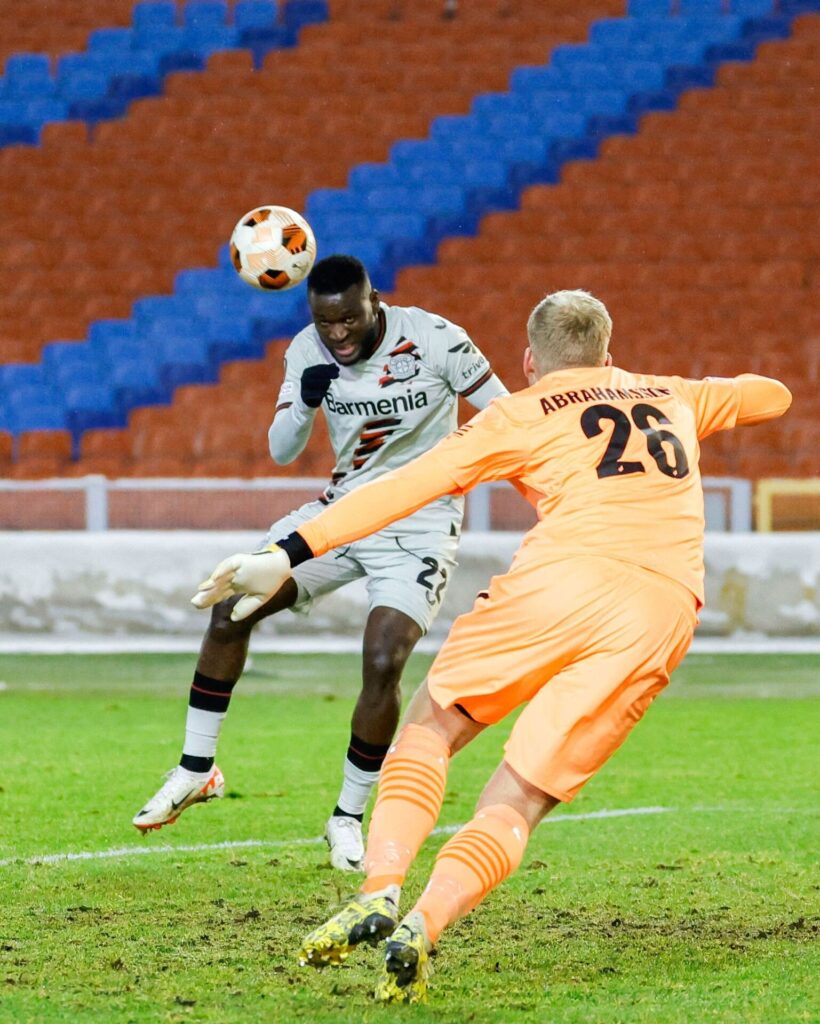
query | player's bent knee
(223,629)
(384,665)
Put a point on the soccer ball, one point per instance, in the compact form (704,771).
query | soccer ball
(273,248)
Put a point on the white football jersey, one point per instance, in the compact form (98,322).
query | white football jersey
(383,411)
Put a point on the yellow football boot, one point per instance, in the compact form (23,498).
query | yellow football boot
(364,918)
(406,964)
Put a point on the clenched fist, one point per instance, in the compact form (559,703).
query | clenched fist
(316,383)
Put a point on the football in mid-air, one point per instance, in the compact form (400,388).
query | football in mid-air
(273,248)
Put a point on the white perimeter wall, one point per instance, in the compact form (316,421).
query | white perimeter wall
(121,583)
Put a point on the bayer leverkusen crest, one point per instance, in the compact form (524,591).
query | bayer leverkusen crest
(403,364)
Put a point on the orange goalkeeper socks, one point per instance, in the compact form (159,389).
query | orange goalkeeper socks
(411,789)
(476,860)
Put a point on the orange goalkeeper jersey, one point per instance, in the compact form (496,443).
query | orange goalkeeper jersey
(609,459)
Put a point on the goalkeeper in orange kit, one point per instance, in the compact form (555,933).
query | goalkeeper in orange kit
(596,611)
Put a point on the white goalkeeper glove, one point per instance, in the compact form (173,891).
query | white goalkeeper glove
(257,576)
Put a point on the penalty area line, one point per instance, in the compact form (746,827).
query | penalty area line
(278,844)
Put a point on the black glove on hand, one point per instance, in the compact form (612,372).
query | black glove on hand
(316,382)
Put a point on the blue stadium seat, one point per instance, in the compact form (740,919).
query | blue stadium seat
(368,175)
(204,280)
(492,104)
(147,310)
(518,125)
(111,352)
(37,112)
(175,322)
(615,32)
(92,405)
(15,125)
(527,77)
(570,54)
(205,41)
(347,224)
(254,14)
(604,101)
(185,361)
(19,375)
(368,249)
(395,197)
(75,374)
(136,381)
(36,417)
(110,40)
(700,7)
(441,199)
(399,225)
(225,342)
(205,13)
(205,29)
(484,173)
(82,85)
(560,124)
(649,8)
(159,40)
(305,12)
(101,331)
(715,29)
(449,128)
(433,172)
(28,76)
(60,357)
(156,14)
(752,8)
(638,76)
(406,151)
(330,201)
(33,395)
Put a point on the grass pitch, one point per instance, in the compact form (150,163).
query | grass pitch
(704,911)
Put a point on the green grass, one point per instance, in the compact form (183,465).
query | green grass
(707,912)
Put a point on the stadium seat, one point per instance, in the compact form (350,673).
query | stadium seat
(34,444)
(6,447)
(27,76)
(752,8)
(35,416)
(713,7)
(254,14)
(305,12)
(153,14)
(649,8)
(162,442)
(105,442)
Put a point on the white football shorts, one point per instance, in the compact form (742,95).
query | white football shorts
(407,565)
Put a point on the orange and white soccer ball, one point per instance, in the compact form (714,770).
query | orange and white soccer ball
(273,248)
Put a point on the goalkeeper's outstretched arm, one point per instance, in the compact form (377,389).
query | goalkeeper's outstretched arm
(489,447)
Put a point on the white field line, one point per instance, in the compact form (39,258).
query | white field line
(239,844)
(344,645)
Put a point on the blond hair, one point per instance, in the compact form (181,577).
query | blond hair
(569,328)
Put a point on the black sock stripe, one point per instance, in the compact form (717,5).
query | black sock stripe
(210,694)
(222,686)
(196,764)
(368,757)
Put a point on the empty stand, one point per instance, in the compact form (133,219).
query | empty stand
(285,126)
(701,235)
(682,228)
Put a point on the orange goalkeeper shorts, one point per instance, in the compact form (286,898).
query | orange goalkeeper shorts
(588,641)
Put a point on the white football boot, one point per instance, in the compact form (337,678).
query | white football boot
(344,837)
(180,790)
